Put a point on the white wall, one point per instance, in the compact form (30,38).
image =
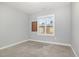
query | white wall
(75,27)
(63,24)
(13,25)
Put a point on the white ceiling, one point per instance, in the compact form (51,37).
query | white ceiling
(34,7)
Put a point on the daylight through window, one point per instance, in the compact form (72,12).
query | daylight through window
(46,25)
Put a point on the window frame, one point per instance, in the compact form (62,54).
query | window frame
(45,34)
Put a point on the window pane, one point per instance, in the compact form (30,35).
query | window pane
(42,29)
(46,25)
(49,20)
(49,30)
(41,21)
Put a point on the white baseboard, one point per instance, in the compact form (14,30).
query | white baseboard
(74,52)
(57,43)
(7,46)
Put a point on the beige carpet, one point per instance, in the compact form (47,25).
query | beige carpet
(37,49)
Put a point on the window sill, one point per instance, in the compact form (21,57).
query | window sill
(47,34)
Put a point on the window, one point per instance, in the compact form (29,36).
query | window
(46,25)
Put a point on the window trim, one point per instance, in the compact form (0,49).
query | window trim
(54,34)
